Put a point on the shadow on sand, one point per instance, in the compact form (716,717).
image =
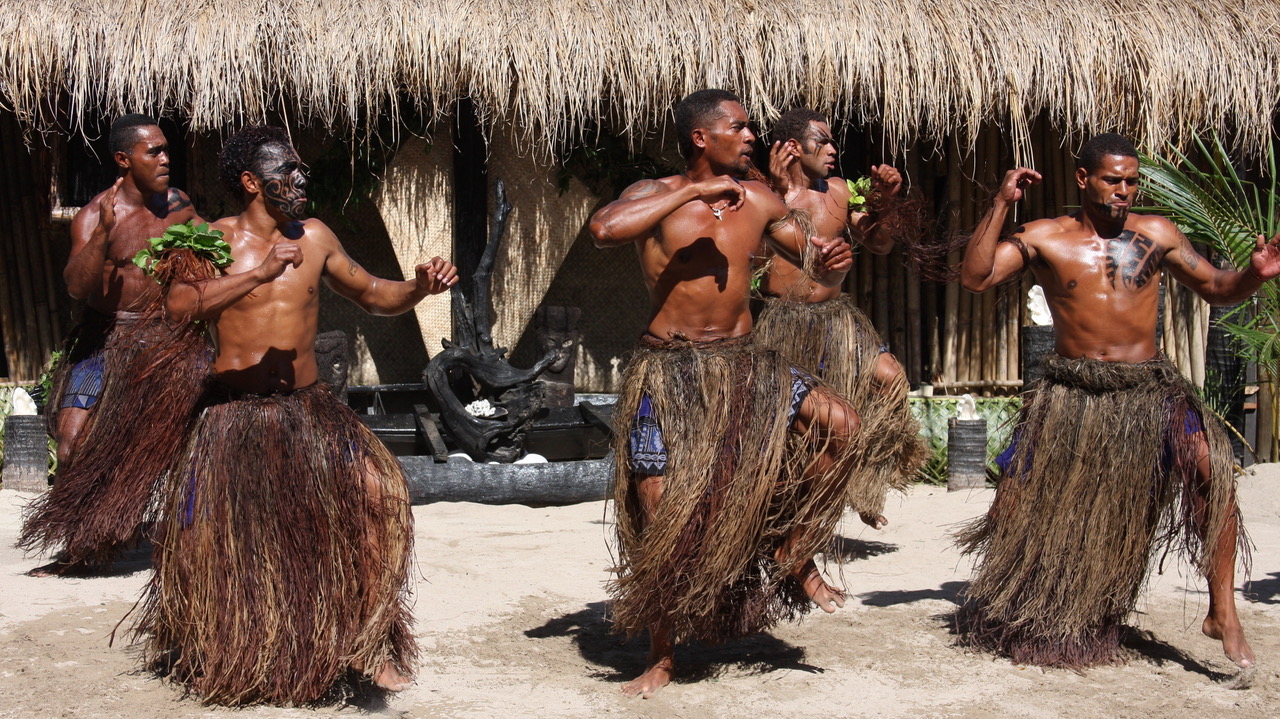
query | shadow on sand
(623,659)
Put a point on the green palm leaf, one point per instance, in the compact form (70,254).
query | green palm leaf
(1214,205)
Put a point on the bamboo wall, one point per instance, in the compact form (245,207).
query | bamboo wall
(32,296)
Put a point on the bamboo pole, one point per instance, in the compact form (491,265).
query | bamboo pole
(21,263)
(951,301)
(914,368)
(1264,414)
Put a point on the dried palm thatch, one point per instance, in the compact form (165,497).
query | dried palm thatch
(837,342)
(738,485)
(1103,480)
(920,69)
(282,558)
(153,371)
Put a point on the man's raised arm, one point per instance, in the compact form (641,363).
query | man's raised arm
(1216,286)
(887,181)
(379,296)
(206,300)
(987,263)
(90,230)
(636,214)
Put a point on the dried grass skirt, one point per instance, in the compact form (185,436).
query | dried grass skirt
(153,373)
(735,488)
(837,342)
(282,562)
(1101,480)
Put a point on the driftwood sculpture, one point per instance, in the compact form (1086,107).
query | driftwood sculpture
(471,370)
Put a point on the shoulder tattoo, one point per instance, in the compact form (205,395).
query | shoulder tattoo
(177,200)
(643,188)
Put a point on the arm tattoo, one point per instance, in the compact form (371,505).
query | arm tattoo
(1189,255)
(643,188)
(1133,258)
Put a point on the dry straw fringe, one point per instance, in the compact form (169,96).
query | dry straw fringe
(733,492)
(1103,479)
(282,561)
(837,342)
(555,69)
(153,374)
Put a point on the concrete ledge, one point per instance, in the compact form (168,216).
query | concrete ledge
(549,483)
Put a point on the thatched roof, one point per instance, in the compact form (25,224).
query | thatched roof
(920,68)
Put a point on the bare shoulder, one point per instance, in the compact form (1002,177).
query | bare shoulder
(762,196)
(1045,229)
(86,217)
(838,188)
(1156,227)
(177,201)
(649,187)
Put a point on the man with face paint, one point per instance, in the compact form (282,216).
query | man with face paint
(115,417)
(820,328)
(1114,457)
(283,562)
(732,464)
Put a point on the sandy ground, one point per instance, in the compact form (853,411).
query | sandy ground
(511,618)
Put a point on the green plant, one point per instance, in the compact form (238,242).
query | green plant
(859,194)
(200,239)
(1214,204)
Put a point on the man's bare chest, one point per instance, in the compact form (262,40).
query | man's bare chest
(1128,262)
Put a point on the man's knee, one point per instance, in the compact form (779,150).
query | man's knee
(887,371)
(830,414)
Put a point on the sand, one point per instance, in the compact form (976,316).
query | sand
(512,620)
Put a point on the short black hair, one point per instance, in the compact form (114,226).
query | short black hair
(1099,146)
(125,130)
(794,124)
(696,111)
(240,151)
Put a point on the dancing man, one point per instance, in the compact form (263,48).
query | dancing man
(283,561)
(732,464)
(1114,457)
(818,327)
(118,418)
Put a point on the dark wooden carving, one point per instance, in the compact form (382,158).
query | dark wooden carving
(470,368)
(557,329)
(333,361)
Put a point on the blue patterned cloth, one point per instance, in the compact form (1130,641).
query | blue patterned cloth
(85,384)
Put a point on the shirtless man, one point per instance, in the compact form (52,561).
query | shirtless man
(1100,269)
(105,235)
(825,332)
(704,412)
(284,491)
(98,500)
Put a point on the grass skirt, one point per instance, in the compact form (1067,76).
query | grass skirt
(153,373)
(837,342)
(1102,479)
(733,491)
(282,562)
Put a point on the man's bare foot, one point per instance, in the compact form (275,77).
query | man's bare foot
(827,597)
(657,676)
(60,567)
(875,521)
(391,679)
(1234,644)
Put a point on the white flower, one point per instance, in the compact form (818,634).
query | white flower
(480,408)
